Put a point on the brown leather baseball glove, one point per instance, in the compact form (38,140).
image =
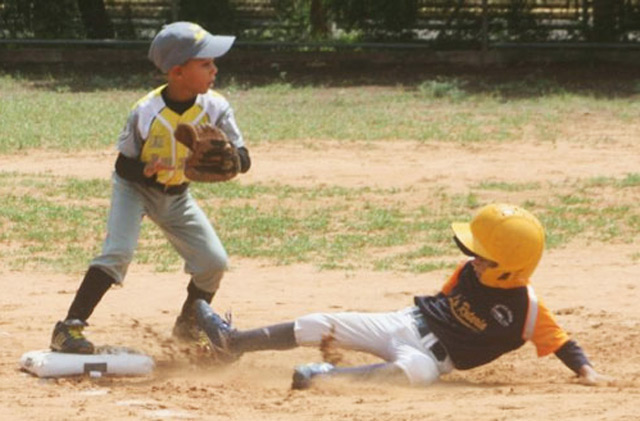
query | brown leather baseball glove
(213,158)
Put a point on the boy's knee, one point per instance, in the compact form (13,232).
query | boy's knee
(310,329)
(115,264)
(218,263)
(213,262)
(209,279)
(420,369)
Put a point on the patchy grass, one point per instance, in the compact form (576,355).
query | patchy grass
(60,115)
(57,222)
(62,227)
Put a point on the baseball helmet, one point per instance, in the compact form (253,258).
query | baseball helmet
(508,235)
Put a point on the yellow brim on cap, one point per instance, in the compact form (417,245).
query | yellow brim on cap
(462,231)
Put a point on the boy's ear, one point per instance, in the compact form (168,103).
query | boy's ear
(175,71)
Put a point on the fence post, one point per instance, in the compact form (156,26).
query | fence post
(485,33)
(174,10)
(605,20)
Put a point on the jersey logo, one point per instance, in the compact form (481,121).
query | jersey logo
(502,314)
(198,32)
(462,311)
(156,141)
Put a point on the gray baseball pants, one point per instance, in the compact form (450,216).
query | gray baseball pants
(181,220)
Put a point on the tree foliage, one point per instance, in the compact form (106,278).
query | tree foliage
(455,22)
(215,16)
(376,18)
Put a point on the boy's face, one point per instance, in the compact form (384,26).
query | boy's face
(196,76)
(481,264)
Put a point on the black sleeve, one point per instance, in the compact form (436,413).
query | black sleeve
(245,160)
(130,169)
(572,356)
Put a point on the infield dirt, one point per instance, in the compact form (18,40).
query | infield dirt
(593,289)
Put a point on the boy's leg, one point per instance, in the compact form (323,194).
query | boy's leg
(110,267)
(303,375)
(192,235)
(128,207)
(391,336)
(367,332)
(67,334)
(93,287)
(230,343)
(185,327)
(279,336)
(371,333)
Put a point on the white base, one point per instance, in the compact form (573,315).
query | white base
(106,361)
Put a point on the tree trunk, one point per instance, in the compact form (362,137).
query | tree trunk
(318,19)
(605,20)
(97,24)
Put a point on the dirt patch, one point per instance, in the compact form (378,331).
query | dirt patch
(593,289)
(395,164)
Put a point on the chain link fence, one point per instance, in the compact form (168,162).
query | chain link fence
(446,23)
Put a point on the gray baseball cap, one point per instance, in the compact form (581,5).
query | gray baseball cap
(180,41)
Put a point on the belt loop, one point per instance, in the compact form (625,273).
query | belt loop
(421,322)
(436,348)
(438,351)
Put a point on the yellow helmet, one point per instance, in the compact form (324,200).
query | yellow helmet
(507,235)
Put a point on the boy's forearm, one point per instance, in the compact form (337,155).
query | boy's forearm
(573,356)
(130,169)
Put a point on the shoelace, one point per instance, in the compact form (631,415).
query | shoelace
(228,320)
(76,332)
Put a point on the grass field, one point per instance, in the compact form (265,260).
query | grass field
(56,222)
(347,207)
(85,112)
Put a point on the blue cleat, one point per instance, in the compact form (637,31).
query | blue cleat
(303,374)
(218,331)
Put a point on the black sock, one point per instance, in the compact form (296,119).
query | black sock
(194,293)
(93,287)
(280,336)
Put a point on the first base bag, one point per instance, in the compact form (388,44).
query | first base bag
(106,361)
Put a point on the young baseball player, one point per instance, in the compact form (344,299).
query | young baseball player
(149,180)
(486,309)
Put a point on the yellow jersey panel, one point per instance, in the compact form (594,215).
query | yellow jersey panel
(148,132)
(161,145)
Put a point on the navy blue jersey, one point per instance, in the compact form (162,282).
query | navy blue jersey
(477,324)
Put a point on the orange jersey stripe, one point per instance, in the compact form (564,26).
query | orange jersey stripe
(547,336)
(453,279)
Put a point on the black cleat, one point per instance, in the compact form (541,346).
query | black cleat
(67,337)
(186,329)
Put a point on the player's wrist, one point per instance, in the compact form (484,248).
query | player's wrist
(148,170)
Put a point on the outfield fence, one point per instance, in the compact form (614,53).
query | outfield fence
(446,23)
(317,33)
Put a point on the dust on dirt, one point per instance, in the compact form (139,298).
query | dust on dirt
(593,289)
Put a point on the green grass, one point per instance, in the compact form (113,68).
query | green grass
(57,223)
(62,226)
(508,187)
(69,114)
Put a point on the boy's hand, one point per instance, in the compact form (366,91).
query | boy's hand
(590,377)
(154,166)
